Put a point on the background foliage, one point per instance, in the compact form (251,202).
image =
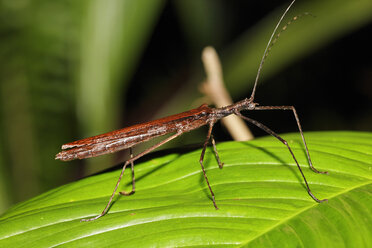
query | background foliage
(71,69)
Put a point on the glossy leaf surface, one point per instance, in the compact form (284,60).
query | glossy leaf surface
(260,193)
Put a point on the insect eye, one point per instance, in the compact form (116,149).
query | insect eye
(251,105)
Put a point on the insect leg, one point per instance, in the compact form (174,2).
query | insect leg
(299,128)
(133,178)
(216,153)
(202,158)
(125,165)
(269,131)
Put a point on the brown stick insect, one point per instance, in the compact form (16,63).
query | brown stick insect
(179,124)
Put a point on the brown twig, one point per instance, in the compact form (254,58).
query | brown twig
(215,89)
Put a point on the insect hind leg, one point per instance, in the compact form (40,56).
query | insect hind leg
(133,177)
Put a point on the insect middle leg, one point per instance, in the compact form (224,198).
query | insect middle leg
(216,152)
(133,178)
(202,159)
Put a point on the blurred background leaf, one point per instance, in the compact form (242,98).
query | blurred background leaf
(72,69)
(114,35)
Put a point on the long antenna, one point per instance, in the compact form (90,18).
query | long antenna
(267,47)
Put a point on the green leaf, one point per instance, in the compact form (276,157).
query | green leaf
(260,193)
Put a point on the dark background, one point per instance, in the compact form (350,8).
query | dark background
(73,69)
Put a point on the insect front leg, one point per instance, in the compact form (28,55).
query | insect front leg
(299,128)
(271,132)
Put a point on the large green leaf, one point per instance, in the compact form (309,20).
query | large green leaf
(260,193)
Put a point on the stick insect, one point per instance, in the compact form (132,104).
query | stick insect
(177,125)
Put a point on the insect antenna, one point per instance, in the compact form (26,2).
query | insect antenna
(272,41)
